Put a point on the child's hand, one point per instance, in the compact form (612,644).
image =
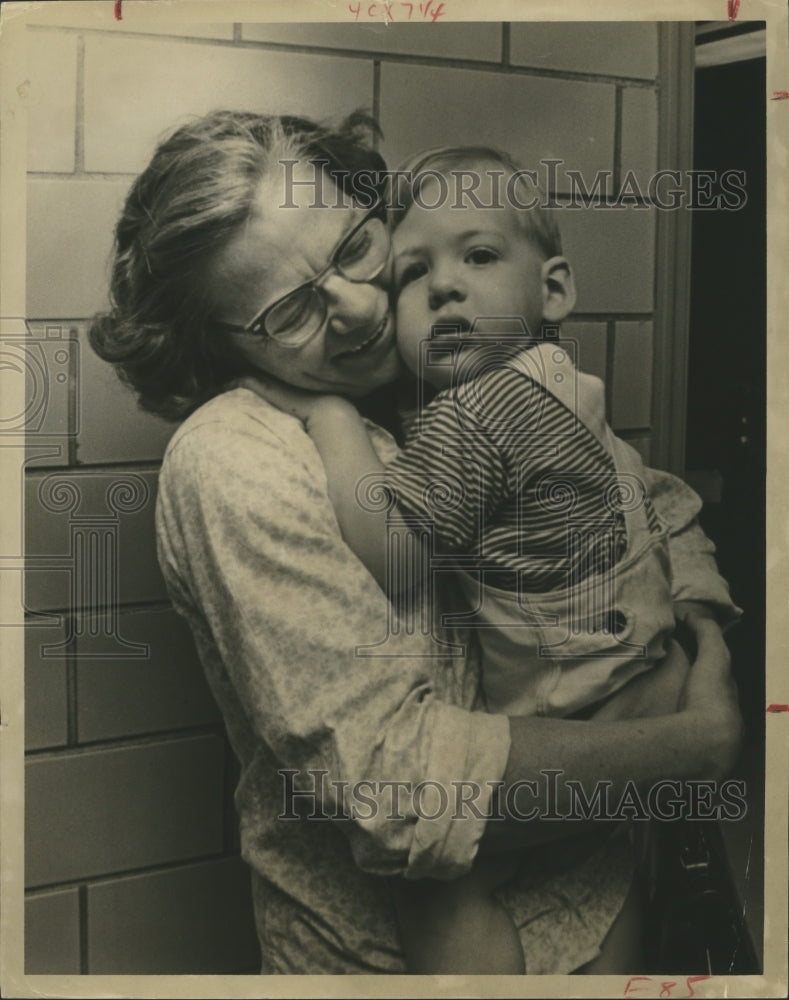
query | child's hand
(299,403)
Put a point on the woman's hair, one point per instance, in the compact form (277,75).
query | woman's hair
(520,193)
(193,196)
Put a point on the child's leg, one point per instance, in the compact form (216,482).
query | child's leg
(457,926)
(622,951)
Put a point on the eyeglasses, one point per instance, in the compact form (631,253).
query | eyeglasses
(296,317)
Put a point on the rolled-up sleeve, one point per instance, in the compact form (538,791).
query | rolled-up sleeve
(248,540)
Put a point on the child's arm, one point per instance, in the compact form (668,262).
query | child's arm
(347,453)
(451,475)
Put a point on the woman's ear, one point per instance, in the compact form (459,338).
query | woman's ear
(558,286)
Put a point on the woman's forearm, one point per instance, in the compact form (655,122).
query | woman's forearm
(596,759)
(701,742)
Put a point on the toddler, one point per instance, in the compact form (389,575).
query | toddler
(513,463)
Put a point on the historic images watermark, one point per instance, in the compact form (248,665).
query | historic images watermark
(309,795)
(548,186)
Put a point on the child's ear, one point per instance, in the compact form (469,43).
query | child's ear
(558,289)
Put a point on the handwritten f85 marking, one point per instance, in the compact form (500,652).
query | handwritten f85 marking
(663,989)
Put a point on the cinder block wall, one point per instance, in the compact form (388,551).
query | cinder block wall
(131,858)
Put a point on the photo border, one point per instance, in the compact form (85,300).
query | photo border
(14,78)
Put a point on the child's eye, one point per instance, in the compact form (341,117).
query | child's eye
(481,255)
(411,273)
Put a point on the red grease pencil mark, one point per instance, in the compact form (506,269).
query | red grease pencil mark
(694,979)
(631,983)
(780,95)
(734,9)
(650,987)
(118,10)
(778,708)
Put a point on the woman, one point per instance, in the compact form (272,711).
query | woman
(234,254)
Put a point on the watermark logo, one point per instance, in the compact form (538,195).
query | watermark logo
(79,527)
(549,184)
(312,795)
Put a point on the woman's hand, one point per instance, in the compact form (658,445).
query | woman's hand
(703,693)
(709,700)
(661,690)
(299,403)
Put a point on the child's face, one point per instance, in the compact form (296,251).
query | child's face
(454,265)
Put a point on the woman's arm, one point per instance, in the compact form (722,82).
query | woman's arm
(699,742)
(316,671)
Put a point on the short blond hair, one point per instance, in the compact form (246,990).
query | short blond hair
(537,223)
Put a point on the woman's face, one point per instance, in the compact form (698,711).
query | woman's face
(277,250)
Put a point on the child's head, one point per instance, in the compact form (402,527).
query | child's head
(471,243)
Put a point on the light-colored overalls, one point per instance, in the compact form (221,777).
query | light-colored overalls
(557,653)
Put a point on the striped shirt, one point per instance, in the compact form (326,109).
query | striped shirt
(508,474)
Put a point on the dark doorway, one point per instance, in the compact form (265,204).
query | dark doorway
(726,416)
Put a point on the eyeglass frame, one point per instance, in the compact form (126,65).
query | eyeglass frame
(257,327)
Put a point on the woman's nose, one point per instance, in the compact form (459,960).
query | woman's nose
(350,304)
(445,285)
